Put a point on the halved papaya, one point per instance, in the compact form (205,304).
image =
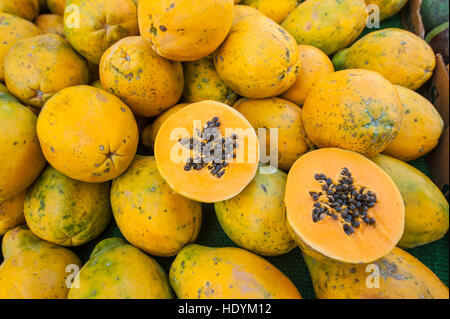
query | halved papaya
(207,151)
(340,206)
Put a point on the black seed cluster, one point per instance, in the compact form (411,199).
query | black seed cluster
(345,200)
(210,149)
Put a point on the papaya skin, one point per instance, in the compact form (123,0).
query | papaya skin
(117,270)
(286,117)
(401,276)
(200,272)
(20,154)
(399,55)
(314,66)
(388,7)
(5,95)
(50,23)
(56,6)
(150,214)
(92,144)
(258,59)
(420,130)
(101,24)
(11,213)
(146,82)
(426,209)
(150,131)
(277,10)
(241,12)
(38,67)
(201,82)
(26,9)
(325,239)
(64,211)
(12,29)
(357,110)
(255,219)
(34,268)
(327,24)
(187,30)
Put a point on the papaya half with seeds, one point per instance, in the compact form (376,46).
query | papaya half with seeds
(11,213)
(343,207)
(200,272)
(255,219)
(420,129)
(207,151)
(146,82)
(329,25)
(397,275)
(286,117)
(426,208)
(399,55)
(387,7)
(357,110)
(34,268)
(12,29)
(149,213)
(38,67)
(185,30)
(150,131)
(20,154)
(117,270)
(64,211)
(92,26)
(258,59)
(87,134)
(201,82)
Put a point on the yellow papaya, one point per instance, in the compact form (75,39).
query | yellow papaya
(149,213)
(399,55)
(26,9)
(258,59)
(387,8)
(327,24)
(201,82)
(117,270)
(242,11)
(286,117)
(185,30)
(56,6)
(255,219)
(357,110)
(277,10)
(90,144)
(398,275)
(50,23)
(12,29)
(20,154)
(64,211)
(420,129)
(146,82)
(92,26)
(34,268)
(38,67)
(426,209)
(200,272)
(11,213)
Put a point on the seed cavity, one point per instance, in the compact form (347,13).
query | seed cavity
(345,201)
(210,149)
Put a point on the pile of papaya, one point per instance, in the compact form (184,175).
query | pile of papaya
(281,130)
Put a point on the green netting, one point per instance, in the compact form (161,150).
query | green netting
(434,255)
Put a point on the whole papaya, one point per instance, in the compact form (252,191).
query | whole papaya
(399,55)
(117,270)
(34,268)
